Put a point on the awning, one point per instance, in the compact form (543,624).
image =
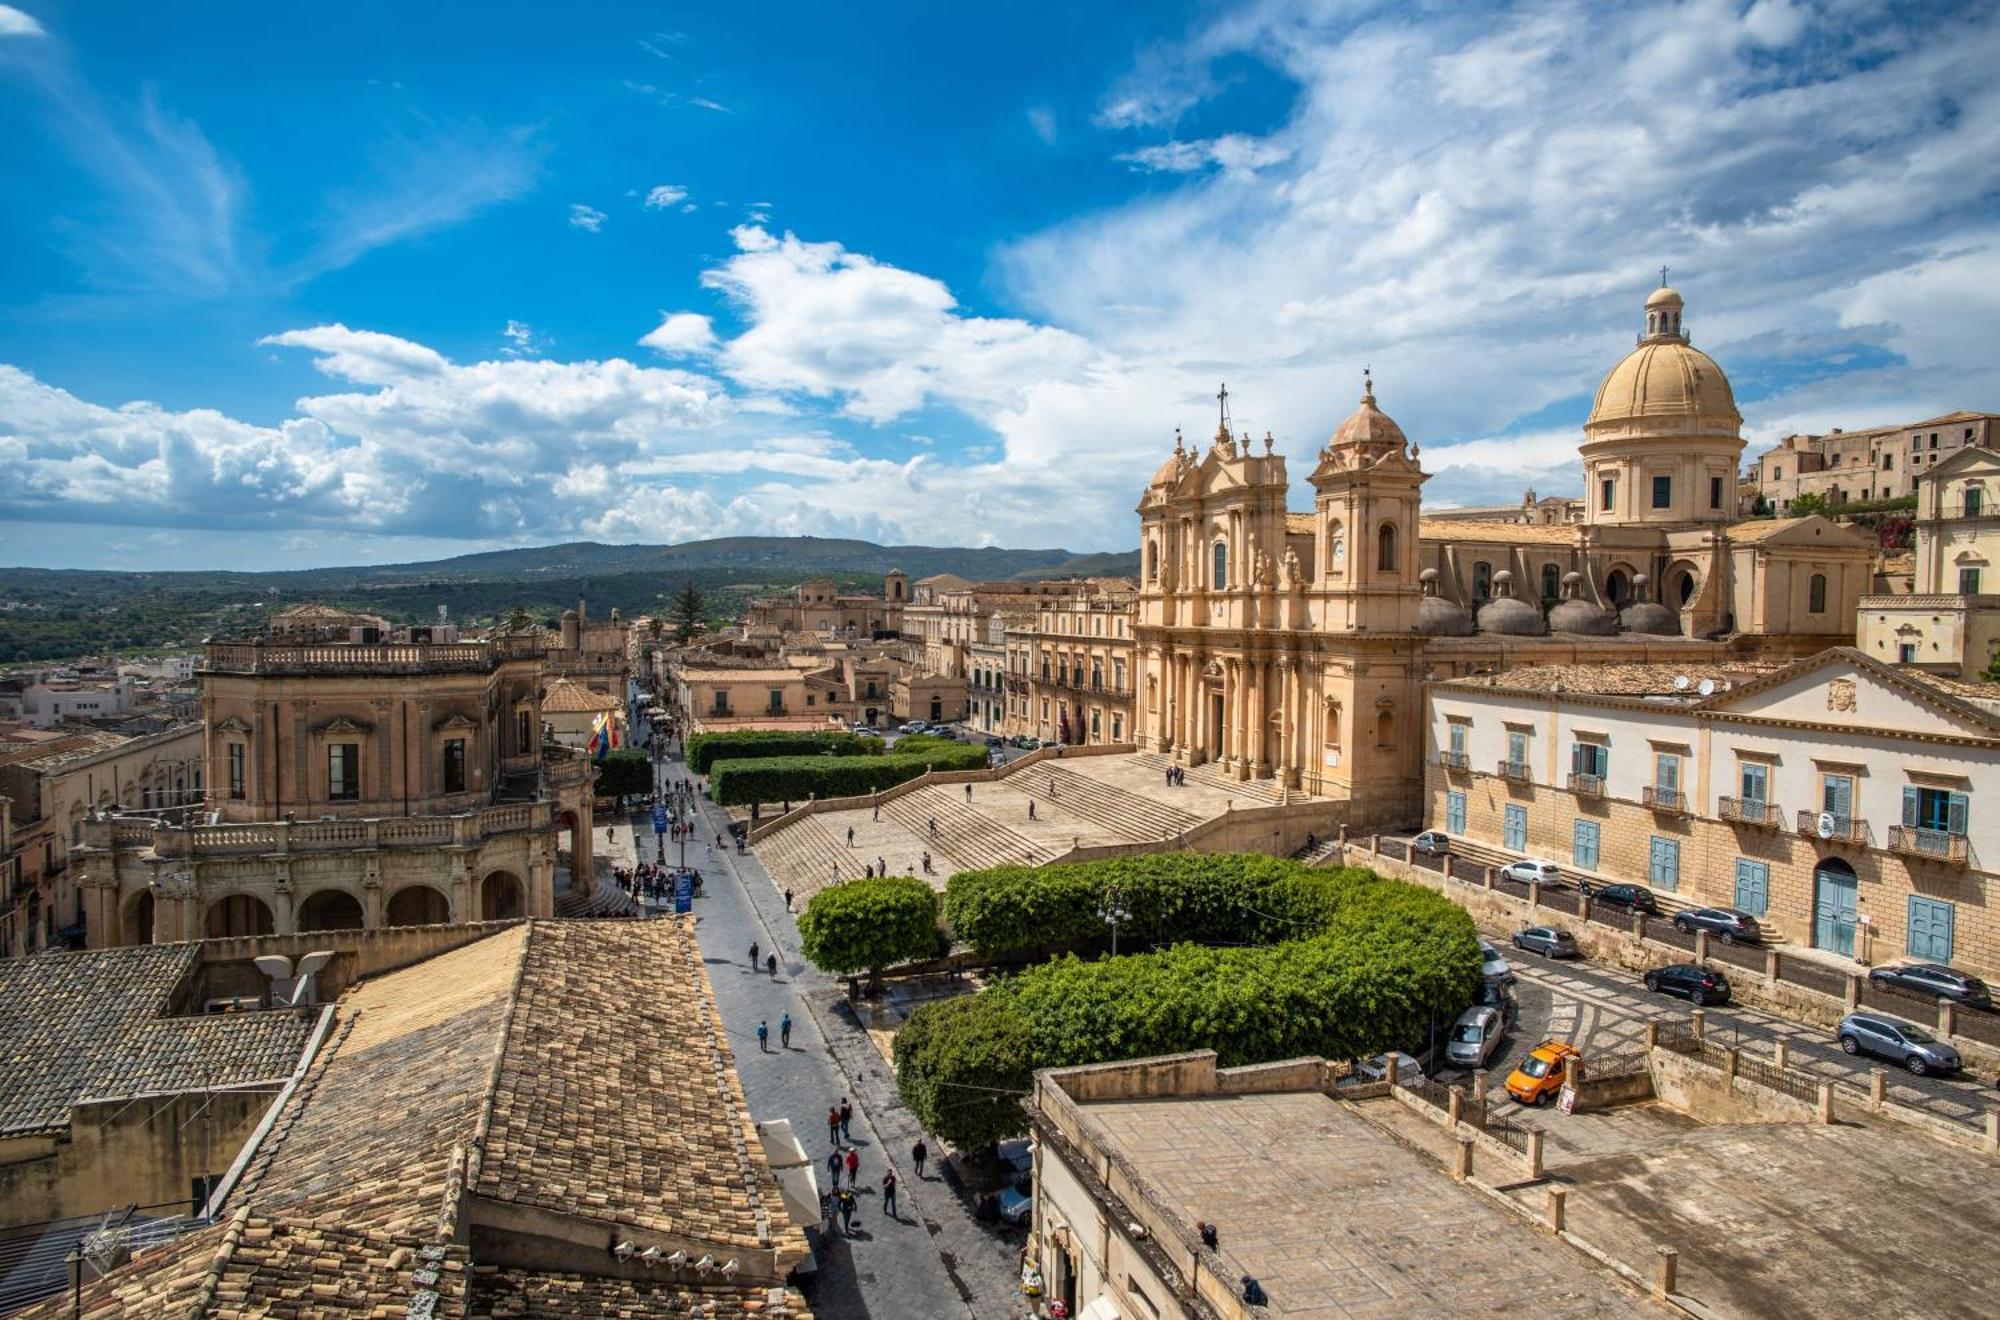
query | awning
(788,1161)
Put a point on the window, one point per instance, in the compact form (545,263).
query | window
(1095,728)
(1975,499)
(1664,870)
(1117,728)
(1607,494)
(1457,734)
(1667,774)
(1583,845)
(524,731)
(1906,653)
(1930,929)
(1888,461)
(1968,582)
(1454,813)
(1385,728)
(1385,553)
(1753,886)
(1777,474)
(1516,827)
(238,785)
(1715,492)
(1482,582)
(1517,749)
(1756,783)
(454,765)
(777,696)
(1663,492)
(1589,758)
(1836,798)
(1221,566)
(1816,594)
(343,771)
(721,706)
(1934,809)
(1152,562)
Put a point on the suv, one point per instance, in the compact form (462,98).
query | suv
(1542,1073)
(1729,925)
(1634,898)
(1911,1046)
(1549,941)
(1529,869)
(1935,981)
(1432,843)
(1697,984)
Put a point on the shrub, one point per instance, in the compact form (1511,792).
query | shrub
(1336,963)
(796,778)
(704,749)
(868,924)
(627,770)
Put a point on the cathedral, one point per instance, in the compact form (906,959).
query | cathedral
(1295,646)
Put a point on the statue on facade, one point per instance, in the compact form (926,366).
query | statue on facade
(1294,576)
(1265,572)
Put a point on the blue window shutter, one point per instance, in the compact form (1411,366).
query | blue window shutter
(1912,804)
(1955,819)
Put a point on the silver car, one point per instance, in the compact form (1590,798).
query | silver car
(1911,1046)
(1493,965)
(1474,1037)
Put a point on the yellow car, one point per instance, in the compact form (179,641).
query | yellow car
(1542,1073)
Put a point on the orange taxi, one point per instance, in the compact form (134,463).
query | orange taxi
(1542,1073)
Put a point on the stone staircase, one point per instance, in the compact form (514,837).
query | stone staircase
(1125,814)
(1246,792)
(606,900)
(802,856)
(965,835)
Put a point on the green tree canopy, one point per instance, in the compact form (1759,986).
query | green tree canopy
(626,770)
(864,925)
(687,611)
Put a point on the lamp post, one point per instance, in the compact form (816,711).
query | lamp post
(1113,913)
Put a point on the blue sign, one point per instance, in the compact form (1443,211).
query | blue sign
(659,819)
(684,892)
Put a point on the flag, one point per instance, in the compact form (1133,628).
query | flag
(600,737)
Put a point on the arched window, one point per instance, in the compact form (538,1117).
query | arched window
(1551,582)
(1685,587)
(1615,587)
(1816,594)
(1221,577)
(1482,582)
(1152,561)
(1332,723)
(1385,548)
(1336,546)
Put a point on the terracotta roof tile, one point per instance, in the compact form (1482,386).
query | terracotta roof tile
(566,696)
(1505,533)
(1616,680)
(562,1296)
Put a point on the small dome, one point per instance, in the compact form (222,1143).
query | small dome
(1170,471)
(1578,617)
(1504,614)
(1438,617)
(1368,429)
(1648,616)
(1664,297)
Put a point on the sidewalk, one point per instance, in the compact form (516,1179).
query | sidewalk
(935,1260)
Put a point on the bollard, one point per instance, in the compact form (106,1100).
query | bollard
(1698,1023)
(1770,967)
(1534,1152)
(1781,1056)
(1487,878)
(1701,947)
(1374,845)
(1853,995)
(1454,1111)
(1461,1164)
(1447,866)
(1389,1069)
(1583,909)
(1534,894)
(1947,1025)
(1665,1272)
(1825,1102)
(1878,1087)
(1638,925)
(1652,1036)
(1552,1218)
(1341,833)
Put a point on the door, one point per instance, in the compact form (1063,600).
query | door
(1215,726)
(1753,886)
(1664,863)
(1833,907)
(1930,929)
(1454,813)
(1583,848)
(1517,827)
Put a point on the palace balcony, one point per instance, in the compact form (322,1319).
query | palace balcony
(475,657)
(1845,829)
(1587,785)
(1454,760)
(1931,845)
(1750,811)
(1516,771)
(1667,801)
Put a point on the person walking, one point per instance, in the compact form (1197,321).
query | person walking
(968,792)
(788,900)
(785,1031)
(889,1193)
(918,1154)
(853,1165)
(753,953)
(933,827)
(833,1167)
(847,1212)
(763,1038)
(771,965)
(850,836)
(833,1127)
(1031,808)
(846,1118)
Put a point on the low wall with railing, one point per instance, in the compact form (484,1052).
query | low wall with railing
(339,835)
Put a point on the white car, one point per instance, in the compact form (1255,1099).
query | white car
(914,726)
(1530,870)
(1493,965)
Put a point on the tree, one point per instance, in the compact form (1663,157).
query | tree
(963,1066)
(687,608)
(625,771)
(866,925)
(1810,502)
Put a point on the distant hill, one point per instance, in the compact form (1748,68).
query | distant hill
(54,613)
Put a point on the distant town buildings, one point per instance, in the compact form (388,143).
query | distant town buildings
(1949,623)
(1879,463)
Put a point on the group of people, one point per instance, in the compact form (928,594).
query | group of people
(843,1170)
(1176,776)
(651,879)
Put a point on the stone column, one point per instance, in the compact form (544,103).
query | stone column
(1239,716)
(1260,721)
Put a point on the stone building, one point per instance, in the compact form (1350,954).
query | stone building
(352,784)
(818,606)
(1294,646)
(1080,661)
(570,712)
(597,655)
(1949,623)
(1879,463)
(1837,799)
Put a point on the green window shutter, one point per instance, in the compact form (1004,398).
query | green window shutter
(1912,806)
(1956,814)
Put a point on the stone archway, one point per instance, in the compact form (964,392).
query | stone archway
(331,909)
(417,905)
(502,897)
(238,914)
(138,922)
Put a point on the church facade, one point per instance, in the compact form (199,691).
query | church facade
(1296,646)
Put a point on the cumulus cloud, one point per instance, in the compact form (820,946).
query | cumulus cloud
(682,332)
(665,195)
(1231,151)
(14,23)
(586,217)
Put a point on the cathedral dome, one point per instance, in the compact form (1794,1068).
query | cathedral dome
(1504,614)
(1665,386)
(1368,429)
(1438,617)
(1645,615)
(1578,617)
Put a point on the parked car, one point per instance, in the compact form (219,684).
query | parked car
(1492,966)
(1529,870)
(1432,843)
(1493,994)
(1549,941)
(1542,1073)
(1731,926)
(1633,898)
(1474,1037)
(994,742)
(1697,984)
(1935,980)
(1375,1068)
(1911,1046)
(914,726)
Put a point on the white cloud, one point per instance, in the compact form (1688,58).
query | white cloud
(14,23)
(522,341)
(682,332)
(664,195)
(1042,120)
(586,217)
(1231,151)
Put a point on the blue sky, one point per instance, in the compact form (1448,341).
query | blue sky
(356,283)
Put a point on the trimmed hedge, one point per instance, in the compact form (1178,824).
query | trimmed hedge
(797,778)
(627,770)
(705,749)
(1367,963)
(865,924)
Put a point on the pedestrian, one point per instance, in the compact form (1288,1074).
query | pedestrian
(881,866)
(968,792)
(771,964)
(1031,808)
(788,900)
(850,836)
(878,813)
(833,1166)
(868,871)
(763,1038)
(853,1165)
(785,1031)
(889,1193)
(918,1154)
(833,1129)
(847,1212)
(933,827)
(846,1117)
(753,953)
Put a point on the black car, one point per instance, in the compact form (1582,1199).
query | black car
(1549,941)
(1935,981)
(1699,984)
(1729,925)
(1635,898)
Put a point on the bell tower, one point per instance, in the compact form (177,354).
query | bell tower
(1366,504)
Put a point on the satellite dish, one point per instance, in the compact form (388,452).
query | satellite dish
(1680,682)
(1706,687)
(1826,824)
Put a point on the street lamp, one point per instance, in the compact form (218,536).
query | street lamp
(1113,913)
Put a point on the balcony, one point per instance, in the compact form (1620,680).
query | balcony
(1844,829)
(1587,785)
(1750,811)
(1454,760)
(1668,801)
(341,658)
(1517,771)
(1931,845)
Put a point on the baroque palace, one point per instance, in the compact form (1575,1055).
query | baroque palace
(1295,646)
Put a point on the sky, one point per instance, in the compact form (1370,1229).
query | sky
(291,285)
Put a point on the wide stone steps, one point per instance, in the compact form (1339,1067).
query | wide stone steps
(802,857)
(606,900)
(1247,792)
(967,835)
(1121,812)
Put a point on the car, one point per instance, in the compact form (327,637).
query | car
(913,726)
(1531,871)
(864,728)
(1633,898)
(1731,926)
(994,742)
(1911,1046)
(1492,966)
(1935,981)
(1375,1068)
(1432,843)
(1539,1076)
(1492,994)
(1699,985)
(1016,1206)
(1474,1037)
(1549,941)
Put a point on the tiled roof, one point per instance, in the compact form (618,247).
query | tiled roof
(74,745)
(1457,529)
(1614,680)
(94,1026)
(563,1296)
(566,696)
(1299,522)
(1763,529)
